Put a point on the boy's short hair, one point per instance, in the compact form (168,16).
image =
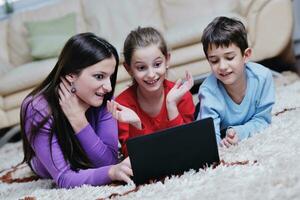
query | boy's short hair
(223,31)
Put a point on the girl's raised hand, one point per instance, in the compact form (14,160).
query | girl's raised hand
(124,114)
(179,89)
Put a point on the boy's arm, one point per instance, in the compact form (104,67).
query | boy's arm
(210,106)
(262,117)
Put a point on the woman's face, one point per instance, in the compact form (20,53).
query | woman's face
(148,67)
(94,82)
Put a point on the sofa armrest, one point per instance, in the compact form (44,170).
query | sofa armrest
(25,76)
(270,26)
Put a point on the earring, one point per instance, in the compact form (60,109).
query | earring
(73,89)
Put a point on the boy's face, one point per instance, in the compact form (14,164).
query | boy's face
(227,63)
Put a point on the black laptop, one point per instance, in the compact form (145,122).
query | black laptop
(173,151)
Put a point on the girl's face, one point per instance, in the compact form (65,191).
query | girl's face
(148,67)
(94,81)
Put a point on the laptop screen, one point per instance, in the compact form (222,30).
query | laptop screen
(173,151)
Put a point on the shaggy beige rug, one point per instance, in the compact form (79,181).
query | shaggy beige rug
(266,166)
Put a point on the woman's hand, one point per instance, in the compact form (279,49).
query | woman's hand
(121,171)
(124,114)
(73,107)
(176,93)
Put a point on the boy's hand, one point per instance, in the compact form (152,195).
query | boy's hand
(124,114)
(230,139)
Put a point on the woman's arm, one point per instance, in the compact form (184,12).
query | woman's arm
(53,160)
(101,142)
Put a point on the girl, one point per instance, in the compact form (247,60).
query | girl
(152,102)
(68,135)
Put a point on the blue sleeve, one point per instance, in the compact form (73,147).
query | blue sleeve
(101,144)
(210,106)
(262,117)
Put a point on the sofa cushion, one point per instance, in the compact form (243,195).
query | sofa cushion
(3,119)
(3,41)
(186,55)
(47,38)
(1,103)
(14,100)
(114,19)
(17,40)
(176,12)
(191,32)
(25,76)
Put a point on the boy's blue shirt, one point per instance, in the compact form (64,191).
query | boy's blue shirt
(251,115)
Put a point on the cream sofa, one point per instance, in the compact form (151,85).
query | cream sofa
(269,23)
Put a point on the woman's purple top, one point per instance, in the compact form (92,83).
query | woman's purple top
(99,139)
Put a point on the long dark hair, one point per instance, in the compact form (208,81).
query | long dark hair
(80,52)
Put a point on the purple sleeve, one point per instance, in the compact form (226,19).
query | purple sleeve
(56,165)
(101,145)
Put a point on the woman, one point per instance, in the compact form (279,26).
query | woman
(68,134)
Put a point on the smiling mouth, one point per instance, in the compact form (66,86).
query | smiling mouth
(152,82)
(225,74)
(99,94)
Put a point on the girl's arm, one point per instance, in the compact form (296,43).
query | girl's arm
(129,123)
(176,94)
(186,109)
(124,114)
(123,136)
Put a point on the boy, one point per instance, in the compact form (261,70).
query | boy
(238,95)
